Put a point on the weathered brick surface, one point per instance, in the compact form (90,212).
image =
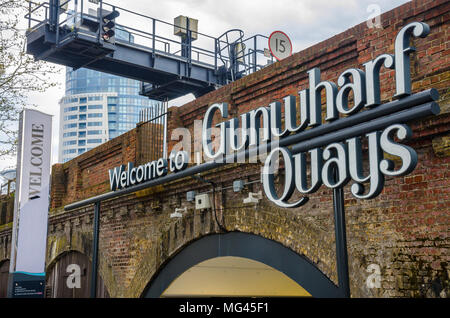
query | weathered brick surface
(6,219)
(405,231)
(87,175)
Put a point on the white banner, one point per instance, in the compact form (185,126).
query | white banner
(32,192)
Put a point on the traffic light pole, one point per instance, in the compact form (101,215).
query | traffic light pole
(100,29)
(53,14)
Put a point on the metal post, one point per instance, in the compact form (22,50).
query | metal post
(154,36)
(189,48)
(152,132)
(81,10)
(95,250)
(29,15)
(341,241)
(215,54)
(57,22)
(254,54)
(54,13)
(100,18)
(166,111)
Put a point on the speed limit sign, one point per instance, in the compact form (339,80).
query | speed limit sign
(280,45)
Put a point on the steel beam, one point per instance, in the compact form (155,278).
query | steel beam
(123,59)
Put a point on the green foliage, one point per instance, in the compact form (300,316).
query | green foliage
(20,75)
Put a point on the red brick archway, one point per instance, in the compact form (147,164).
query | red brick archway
(245,245)
(4,274)
(57,275)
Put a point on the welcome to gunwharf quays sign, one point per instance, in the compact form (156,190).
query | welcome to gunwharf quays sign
(335,148)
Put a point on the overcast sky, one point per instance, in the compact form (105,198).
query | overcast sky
(306,22)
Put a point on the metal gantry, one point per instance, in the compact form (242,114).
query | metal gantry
(69,32)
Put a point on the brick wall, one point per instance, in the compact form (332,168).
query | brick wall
(6,209)
(87,175)
(6,219)
(404,231)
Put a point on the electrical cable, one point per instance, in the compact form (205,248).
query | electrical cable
(221,227)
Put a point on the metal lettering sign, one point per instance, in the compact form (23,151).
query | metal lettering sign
(330,151)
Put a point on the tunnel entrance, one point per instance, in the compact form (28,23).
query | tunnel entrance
(239,265)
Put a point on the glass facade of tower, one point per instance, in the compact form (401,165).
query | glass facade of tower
(96,108)
(123,110)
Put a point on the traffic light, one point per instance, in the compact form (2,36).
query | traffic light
(109,25)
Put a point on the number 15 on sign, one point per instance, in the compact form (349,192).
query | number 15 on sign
(280,45)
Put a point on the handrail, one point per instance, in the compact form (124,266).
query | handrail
(214,51)
(150,37)
(256,35)
(28,15)
(148,17)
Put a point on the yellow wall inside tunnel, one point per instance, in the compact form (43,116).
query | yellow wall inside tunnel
(234,277)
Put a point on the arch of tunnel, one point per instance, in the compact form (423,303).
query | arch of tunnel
(143,251)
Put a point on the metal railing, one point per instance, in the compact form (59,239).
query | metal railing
(153,132)
(39,10)
(154,35)
(8,187)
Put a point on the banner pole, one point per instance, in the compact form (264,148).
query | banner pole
(12,263)
(30,224)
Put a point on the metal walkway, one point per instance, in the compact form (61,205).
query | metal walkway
(68,32)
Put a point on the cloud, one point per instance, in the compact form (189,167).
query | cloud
(306,22)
